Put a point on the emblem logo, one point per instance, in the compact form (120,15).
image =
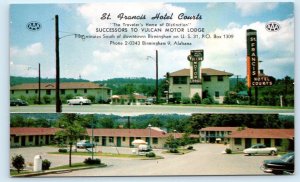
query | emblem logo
(34,26)
(272,27)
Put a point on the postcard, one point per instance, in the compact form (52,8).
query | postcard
(152,89)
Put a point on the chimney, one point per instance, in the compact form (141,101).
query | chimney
(261,71)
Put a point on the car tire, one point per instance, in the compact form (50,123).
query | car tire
(80,103)
(272,153)
(277,172)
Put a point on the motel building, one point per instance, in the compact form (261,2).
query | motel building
(215,134)
(68,88)
(282,139)
(29,136)
(185,83)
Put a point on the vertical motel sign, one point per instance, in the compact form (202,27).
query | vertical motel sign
(252,59)
(195,57)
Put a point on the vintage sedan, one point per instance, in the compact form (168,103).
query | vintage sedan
(84,144)
(18,102)
(260,149)
(79,101)
(283,165)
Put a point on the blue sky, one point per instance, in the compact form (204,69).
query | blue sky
(95,59)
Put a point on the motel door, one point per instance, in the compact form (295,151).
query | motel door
(37,140)
(103,141)
(248,143)
(47,139)
(118,141)
(23,141)
(130,141)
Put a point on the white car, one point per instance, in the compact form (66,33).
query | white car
(260,149)
(79,101)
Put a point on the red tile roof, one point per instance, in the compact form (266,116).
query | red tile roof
(205,72)
(179,135)
(26,131)
(52,86)
(127,132)
(220,129)
(263,133)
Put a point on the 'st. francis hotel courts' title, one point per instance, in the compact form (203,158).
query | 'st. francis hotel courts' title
(158,16)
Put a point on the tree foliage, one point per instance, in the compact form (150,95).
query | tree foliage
(18,162)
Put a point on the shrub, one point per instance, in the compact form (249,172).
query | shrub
(62,150)
(92,161)
(196,99)
(150,154)
(173,150)
(47,99)
(92,98)
(190,148)
(186,100)
(207,101)
(228,151)
(46,164)
(18,162)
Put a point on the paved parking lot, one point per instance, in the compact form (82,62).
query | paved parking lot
(206,160)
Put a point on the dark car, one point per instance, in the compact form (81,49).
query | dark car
(283,165)
(18,102)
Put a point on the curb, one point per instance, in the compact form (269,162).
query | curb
(57,171)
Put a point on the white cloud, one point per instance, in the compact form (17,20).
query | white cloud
(254,8)
(34,49)
(274,49)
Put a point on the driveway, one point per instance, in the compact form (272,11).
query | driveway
(206,160)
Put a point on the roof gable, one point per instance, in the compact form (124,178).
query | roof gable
(205,72)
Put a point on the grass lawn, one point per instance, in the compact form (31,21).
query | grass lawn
(101,154)
(80,165)
(180,151)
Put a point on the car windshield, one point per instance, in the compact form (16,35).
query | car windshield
(287,157)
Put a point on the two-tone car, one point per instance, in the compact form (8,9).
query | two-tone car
(84,144)
(79,101)
(282,165)
(260,149)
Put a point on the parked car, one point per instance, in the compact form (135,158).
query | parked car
(144,148)
(260,149)
(150,101)
(79,101)
(84,144)
(283,165)
(18,102)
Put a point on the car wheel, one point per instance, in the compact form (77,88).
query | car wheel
(273,152)
(80,103)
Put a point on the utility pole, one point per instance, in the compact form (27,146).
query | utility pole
(156,84)
(39,101)
(58,101)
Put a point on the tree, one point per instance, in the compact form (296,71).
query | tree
(72,130)
(18,162)
(171,142)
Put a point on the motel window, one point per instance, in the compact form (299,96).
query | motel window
(124,139)
(180,80)
(48,92)
(108,92)
(138,138)
(207,78)
(220,78)
(111,139)
(85,91)
(238,141)
(16,139)
(12,92)
(27,91)
(217,94)
(75,91)
(30,138)
(258,140)
(278,142)
(63,91)
(155,140)
(96,139)
(36,91)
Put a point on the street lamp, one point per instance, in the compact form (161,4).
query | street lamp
(156,68)
(149,126)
